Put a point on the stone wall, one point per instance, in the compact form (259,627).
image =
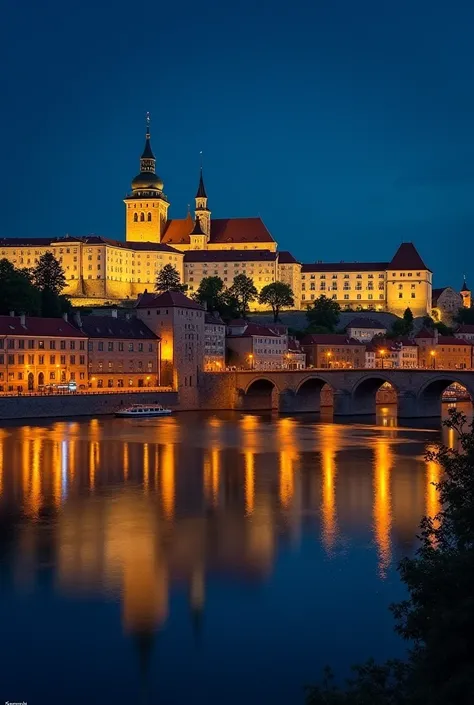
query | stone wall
(63,406)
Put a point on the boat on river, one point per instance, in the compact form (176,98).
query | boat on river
(139,411)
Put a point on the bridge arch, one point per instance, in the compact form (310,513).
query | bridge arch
(430,394)
(364,392)
(261,394)
(308,393)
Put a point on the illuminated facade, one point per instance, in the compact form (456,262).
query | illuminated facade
(214,343)
(100,270)
(36,353)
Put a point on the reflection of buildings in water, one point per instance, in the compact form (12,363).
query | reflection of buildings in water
(383,462)
(167,480)
(249,463)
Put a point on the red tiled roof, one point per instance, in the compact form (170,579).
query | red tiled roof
(407,257)
(229,256)
(223,230)
(287,258)
(167,298)
(345,267)
(329,339)
(365,323)
(47,327)
(110,327)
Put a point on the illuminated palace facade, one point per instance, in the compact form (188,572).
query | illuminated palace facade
(100,270)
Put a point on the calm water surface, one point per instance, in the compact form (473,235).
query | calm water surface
(202,558)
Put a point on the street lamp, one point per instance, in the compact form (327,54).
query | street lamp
(382,353)
(329,353)
(251,361)
(433,357)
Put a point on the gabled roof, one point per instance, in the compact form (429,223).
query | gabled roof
(197,230)
(86,240)
(287,258)
(365,323)
(47,327)
(110,327)
(170,299)
(223,230)
(229,256)
(425,333)
(330,339)
(407,257)
(254,329)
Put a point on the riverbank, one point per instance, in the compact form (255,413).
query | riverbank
(59,406)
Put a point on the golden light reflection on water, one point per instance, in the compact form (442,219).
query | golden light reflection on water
(126,502)
(383,462)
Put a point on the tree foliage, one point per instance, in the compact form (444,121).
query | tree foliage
(277,295)
(17,291)
(168,279)
(242,293)
(465,315)
(403,327)
(210,293)
(323,314)
(437,618)
(48,275)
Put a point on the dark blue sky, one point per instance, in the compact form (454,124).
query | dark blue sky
(348,126)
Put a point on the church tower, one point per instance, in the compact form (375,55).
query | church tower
(202,213)
(146,206)
(466,295)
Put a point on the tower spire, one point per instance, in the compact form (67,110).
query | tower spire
(147,160)
(201,192)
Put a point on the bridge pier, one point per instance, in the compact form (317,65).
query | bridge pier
(342,403)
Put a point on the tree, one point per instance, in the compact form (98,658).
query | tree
(465,315)
(243,293)
(324,313)
(17,292)
(211,293)
(48,275)
(168,280)
(403,326)
(278,295)
(437,618)
(408,321)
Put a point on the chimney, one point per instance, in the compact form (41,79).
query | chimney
(114,313)
(65,317)
(23,319)
(12,314)
(78,319)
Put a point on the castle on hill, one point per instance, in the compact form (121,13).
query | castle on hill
(100,270)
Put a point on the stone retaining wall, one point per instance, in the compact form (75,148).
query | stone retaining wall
(57,406)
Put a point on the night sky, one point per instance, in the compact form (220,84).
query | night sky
(348,126)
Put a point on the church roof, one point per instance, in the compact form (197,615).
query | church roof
(407,257)
(465,287)
(223,230)
(285,257)
(201,192)
(230,256)
(197,230)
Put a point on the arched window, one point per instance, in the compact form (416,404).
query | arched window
(135,217)
(149,217)
(142,217)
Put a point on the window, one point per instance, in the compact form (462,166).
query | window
(52,375)
(52,345)
(140,347)
(110,346)
(100,345)
(150,347)
(11,344)
(120,347)
(52,359)
(82,359)
(413,296)
(82,345)
(11,359)
(41,360)
(72,345)
(72,359)
(21,344)
(130,347)
(100,383)
(63,359)
(31,359)
(62,345)
(400,296)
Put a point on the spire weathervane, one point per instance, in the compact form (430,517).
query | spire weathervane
(148,124)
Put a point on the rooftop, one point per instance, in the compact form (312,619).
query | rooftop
(86,240)
(223,230)
(345,267)
(287,258)
(171,299)
(407,257)
(38,327)
(365,323)
(329,339)
(110,327)
(229,256)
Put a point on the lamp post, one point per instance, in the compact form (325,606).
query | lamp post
(251,361)
(329,354)
(382,353)
(433,357)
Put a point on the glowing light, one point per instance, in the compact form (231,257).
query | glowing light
(249,483)
(146,466)
(329,471)
(167,481)
(125,461)
(383,462)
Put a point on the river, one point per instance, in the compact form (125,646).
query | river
(202,558)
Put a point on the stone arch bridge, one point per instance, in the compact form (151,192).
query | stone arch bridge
(418,391)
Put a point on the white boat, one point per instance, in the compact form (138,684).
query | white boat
(140,410)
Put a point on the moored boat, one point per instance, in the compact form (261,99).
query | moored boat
(142,410)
